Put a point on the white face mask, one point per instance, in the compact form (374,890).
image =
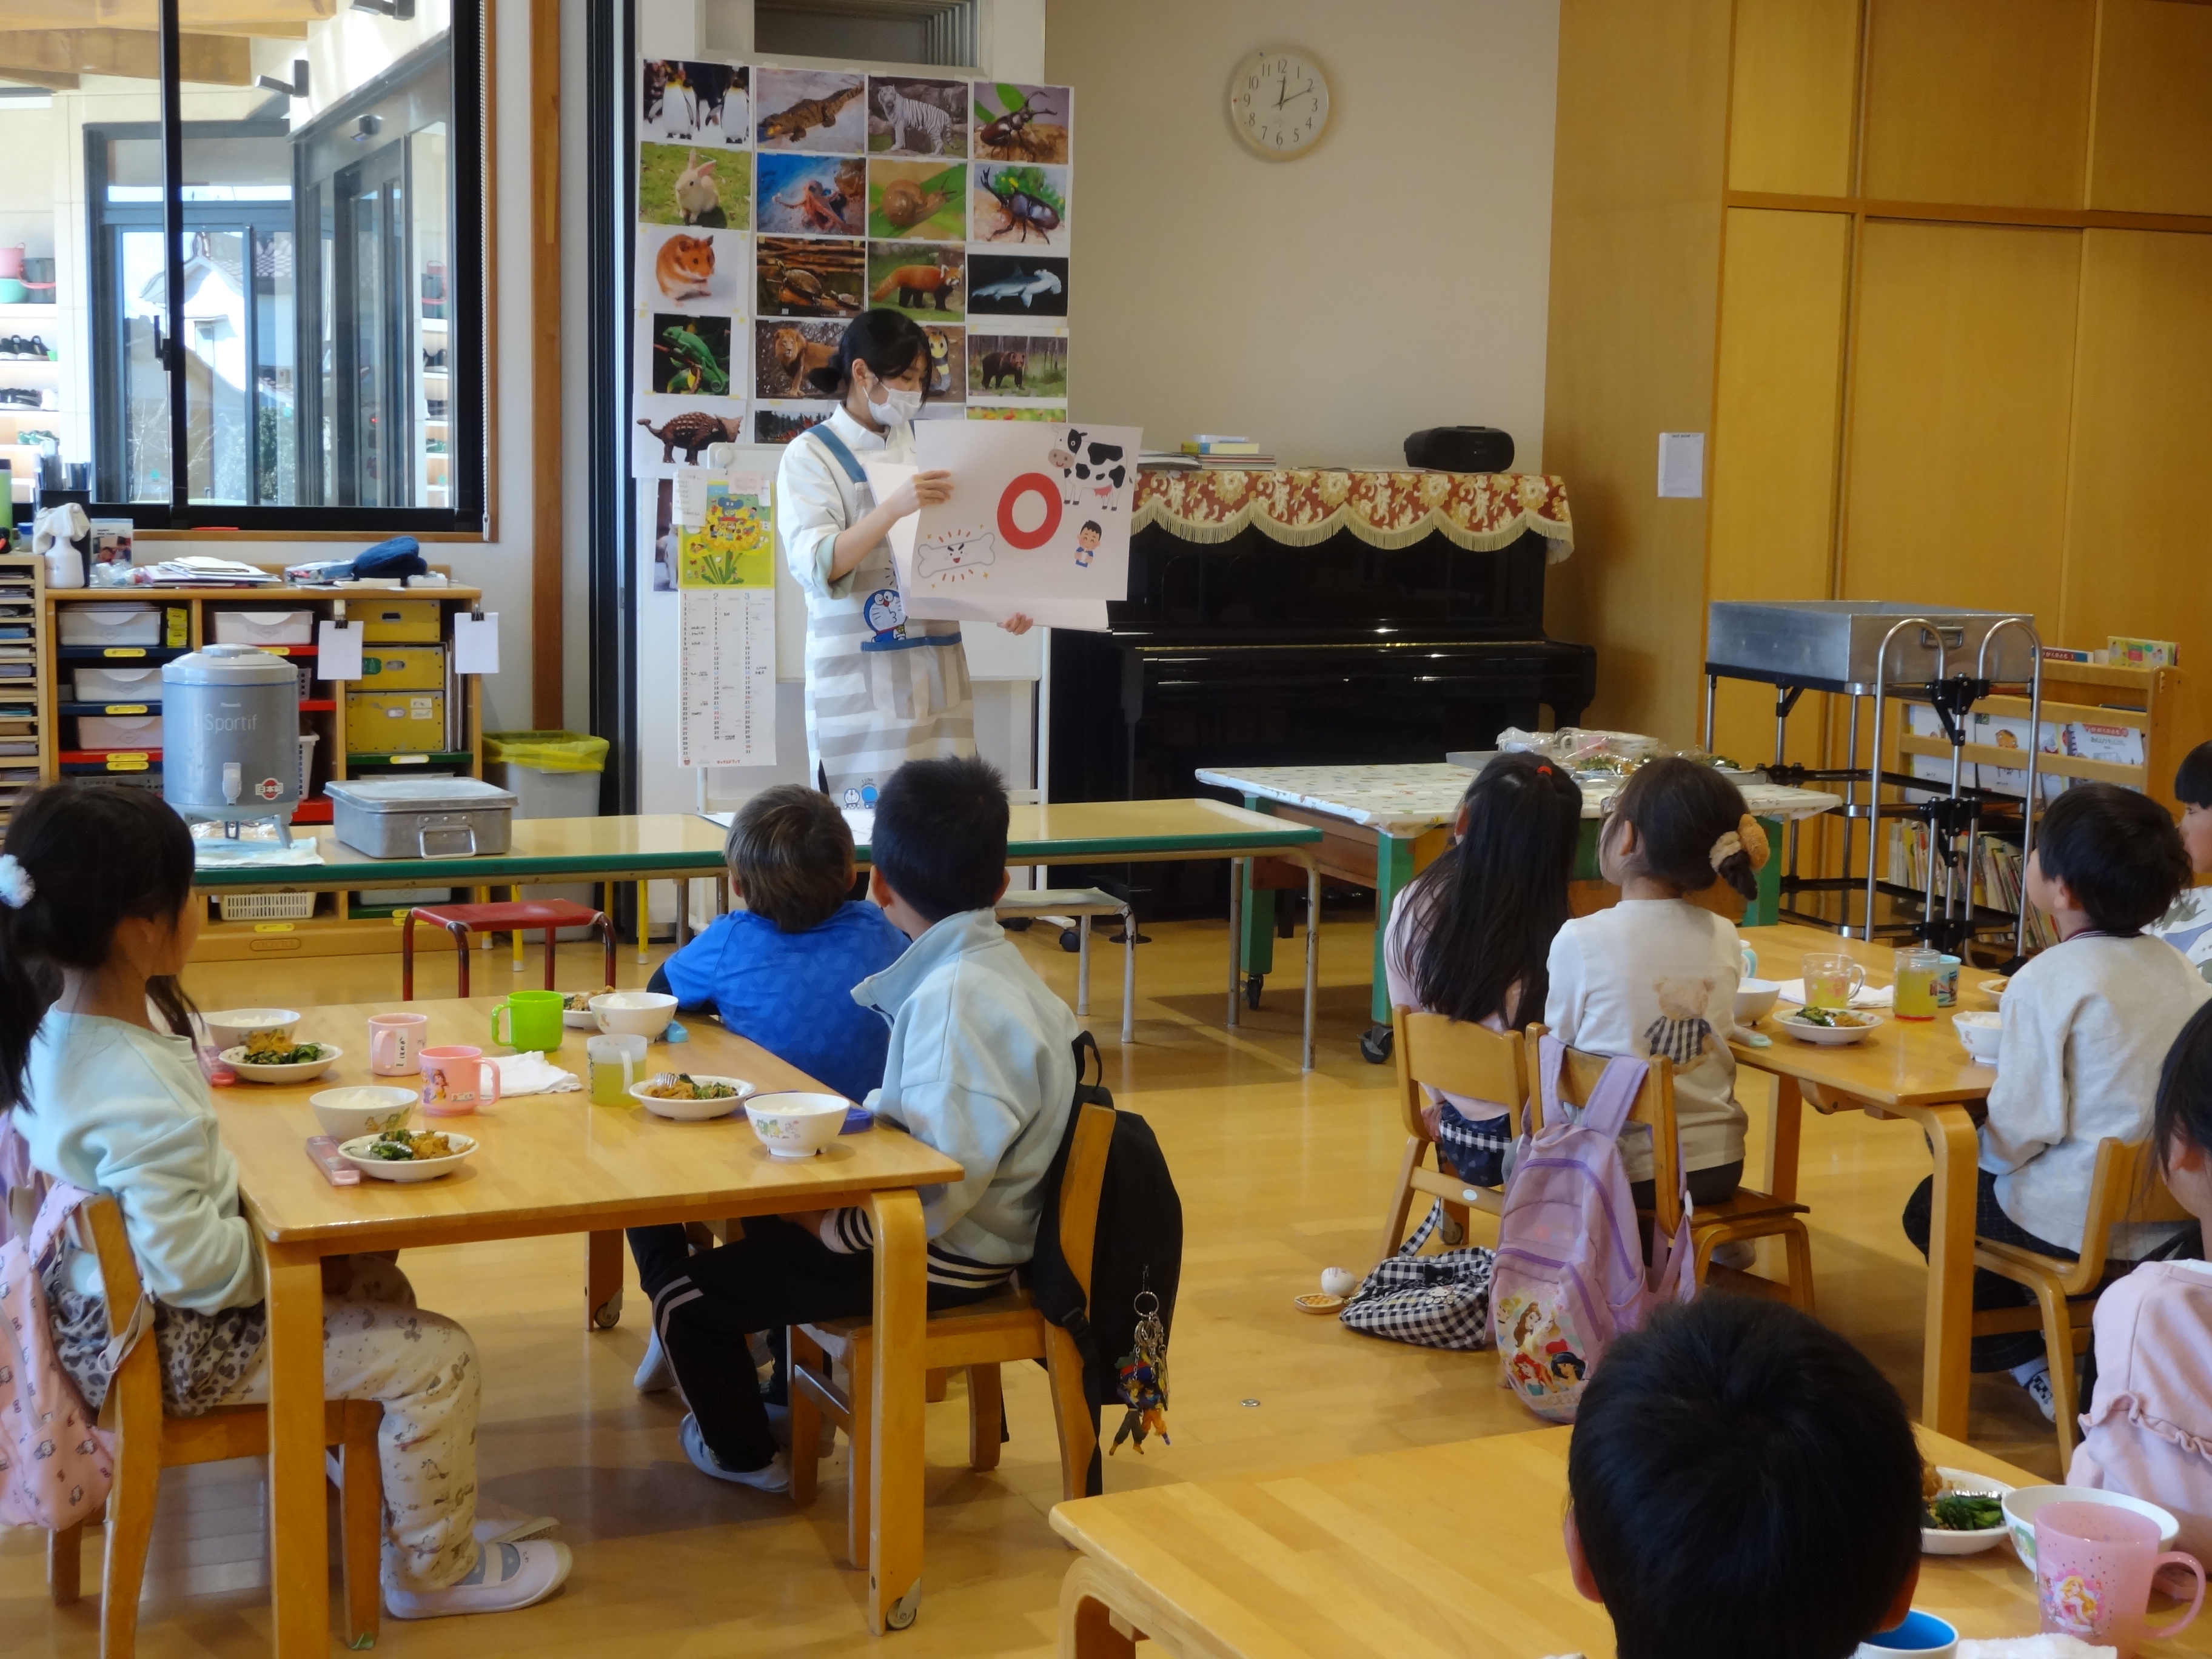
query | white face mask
(895,405)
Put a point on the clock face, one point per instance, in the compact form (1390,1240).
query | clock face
(1278,103)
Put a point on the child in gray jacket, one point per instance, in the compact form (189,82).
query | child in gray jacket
(981,1066)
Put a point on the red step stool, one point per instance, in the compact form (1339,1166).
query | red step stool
(518,917)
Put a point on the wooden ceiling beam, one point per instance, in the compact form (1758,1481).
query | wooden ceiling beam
(135,54)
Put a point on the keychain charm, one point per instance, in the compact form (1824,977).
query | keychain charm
(1142,1378)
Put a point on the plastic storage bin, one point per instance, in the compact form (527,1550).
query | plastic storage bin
(118,685)
(265,628)
(119,732)
(267,907)
(110,624)
(400,621)
(395,722)
(404,668)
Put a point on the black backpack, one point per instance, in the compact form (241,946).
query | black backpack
(1139,1245)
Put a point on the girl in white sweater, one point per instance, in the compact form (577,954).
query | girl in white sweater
(1656,974)
(97,915)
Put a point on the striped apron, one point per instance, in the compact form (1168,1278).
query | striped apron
(880,690)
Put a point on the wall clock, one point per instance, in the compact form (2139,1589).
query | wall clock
(1278,103)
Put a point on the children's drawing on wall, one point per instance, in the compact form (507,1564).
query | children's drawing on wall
(1038,521)
(691,355)
(918,200)
(1026,205)
(1028,366)
(670,431)
(924,280)
(948,365)
(685,185)
(812,195)
(818,111)
(1017,285)
(788,355)
(732,544)
(701,271)
(702,102)
(779,424)
(1015,123)
(807,277)
(917,117)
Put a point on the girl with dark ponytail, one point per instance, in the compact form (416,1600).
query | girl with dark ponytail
(97,917)
(1469,938)
(1657,972)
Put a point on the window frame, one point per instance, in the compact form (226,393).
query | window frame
(469,263)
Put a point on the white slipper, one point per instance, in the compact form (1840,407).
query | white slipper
(655,1374)
(496,1523)
(506,1577)
(774,1475)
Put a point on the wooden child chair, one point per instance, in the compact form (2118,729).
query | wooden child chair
(980,1338)
(2123,1187)
(146,1443)
(1462,1058)
(1746,1214)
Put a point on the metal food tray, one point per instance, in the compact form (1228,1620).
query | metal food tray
(1832,645)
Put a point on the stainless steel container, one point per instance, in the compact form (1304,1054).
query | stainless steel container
(230,747)
(423,818)
(1831,645)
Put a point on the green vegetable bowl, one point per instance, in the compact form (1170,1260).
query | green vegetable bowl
(1956,1541)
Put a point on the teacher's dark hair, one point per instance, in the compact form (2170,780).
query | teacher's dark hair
(1480,919)
(889,341)
(1745,1482)
(94,854)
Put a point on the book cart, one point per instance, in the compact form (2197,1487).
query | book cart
(99,698)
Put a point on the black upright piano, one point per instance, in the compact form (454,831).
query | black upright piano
(1249,652)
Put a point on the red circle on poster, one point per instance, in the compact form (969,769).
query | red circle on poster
(1030,484)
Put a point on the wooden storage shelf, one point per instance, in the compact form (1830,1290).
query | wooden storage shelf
(323,934)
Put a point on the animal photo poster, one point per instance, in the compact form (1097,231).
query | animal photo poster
(695,271)
(917,117)
(810,277)
(821,111)
(693,103)
(1015,122)
(813,195)
(1038,521)
(703,189)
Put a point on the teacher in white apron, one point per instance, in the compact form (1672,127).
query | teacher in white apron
(880,690)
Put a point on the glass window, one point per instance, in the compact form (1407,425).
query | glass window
(268,314)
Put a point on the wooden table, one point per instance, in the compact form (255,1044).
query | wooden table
(1438,1550)
(556,1163)
(687,846)
(1384,824)
(1912,1069)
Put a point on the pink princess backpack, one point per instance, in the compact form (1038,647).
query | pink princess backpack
(1570,1274)
(55,1465)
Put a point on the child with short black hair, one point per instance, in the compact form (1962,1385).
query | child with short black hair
(1656,974)
(981,1066)
(778,971)
(2086,1026)
(2187,925)
(1742,1482)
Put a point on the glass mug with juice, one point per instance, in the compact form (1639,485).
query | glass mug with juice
(1831,981)
(1917,971)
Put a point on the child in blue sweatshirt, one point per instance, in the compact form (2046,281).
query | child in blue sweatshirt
(980,1065)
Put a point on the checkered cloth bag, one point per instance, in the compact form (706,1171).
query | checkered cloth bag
(1440,1301)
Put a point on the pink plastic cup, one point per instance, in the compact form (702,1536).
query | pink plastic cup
(395,1043)
(2094,1564)
(456,1080)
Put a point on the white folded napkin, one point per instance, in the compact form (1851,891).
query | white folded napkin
(531,1073)
(2035,1647)
(1872,996)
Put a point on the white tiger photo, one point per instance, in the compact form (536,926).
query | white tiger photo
(917,117)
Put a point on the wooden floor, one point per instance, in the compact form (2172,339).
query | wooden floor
(1281,1175)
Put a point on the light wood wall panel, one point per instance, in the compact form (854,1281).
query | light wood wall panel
(1983,101)
(2139,521)
(2152,149)
(1783,296)
(1794,97)
(1961,388)
(1637,178)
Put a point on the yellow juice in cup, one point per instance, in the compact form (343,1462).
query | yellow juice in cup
(1917,970)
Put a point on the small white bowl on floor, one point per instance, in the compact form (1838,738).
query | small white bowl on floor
(795,1125)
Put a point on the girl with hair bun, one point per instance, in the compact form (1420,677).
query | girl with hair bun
(1657,972)
(881,690)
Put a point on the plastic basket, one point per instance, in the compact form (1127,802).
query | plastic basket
(548,751)
(267,907)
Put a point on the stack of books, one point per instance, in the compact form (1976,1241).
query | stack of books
(1996,876)
(1220,451)
(1165,460)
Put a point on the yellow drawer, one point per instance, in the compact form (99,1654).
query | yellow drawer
(412,668)
(395,722)
(411,621)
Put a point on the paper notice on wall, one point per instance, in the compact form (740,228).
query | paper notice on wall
(475,644)
(337,650)
(726,676)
